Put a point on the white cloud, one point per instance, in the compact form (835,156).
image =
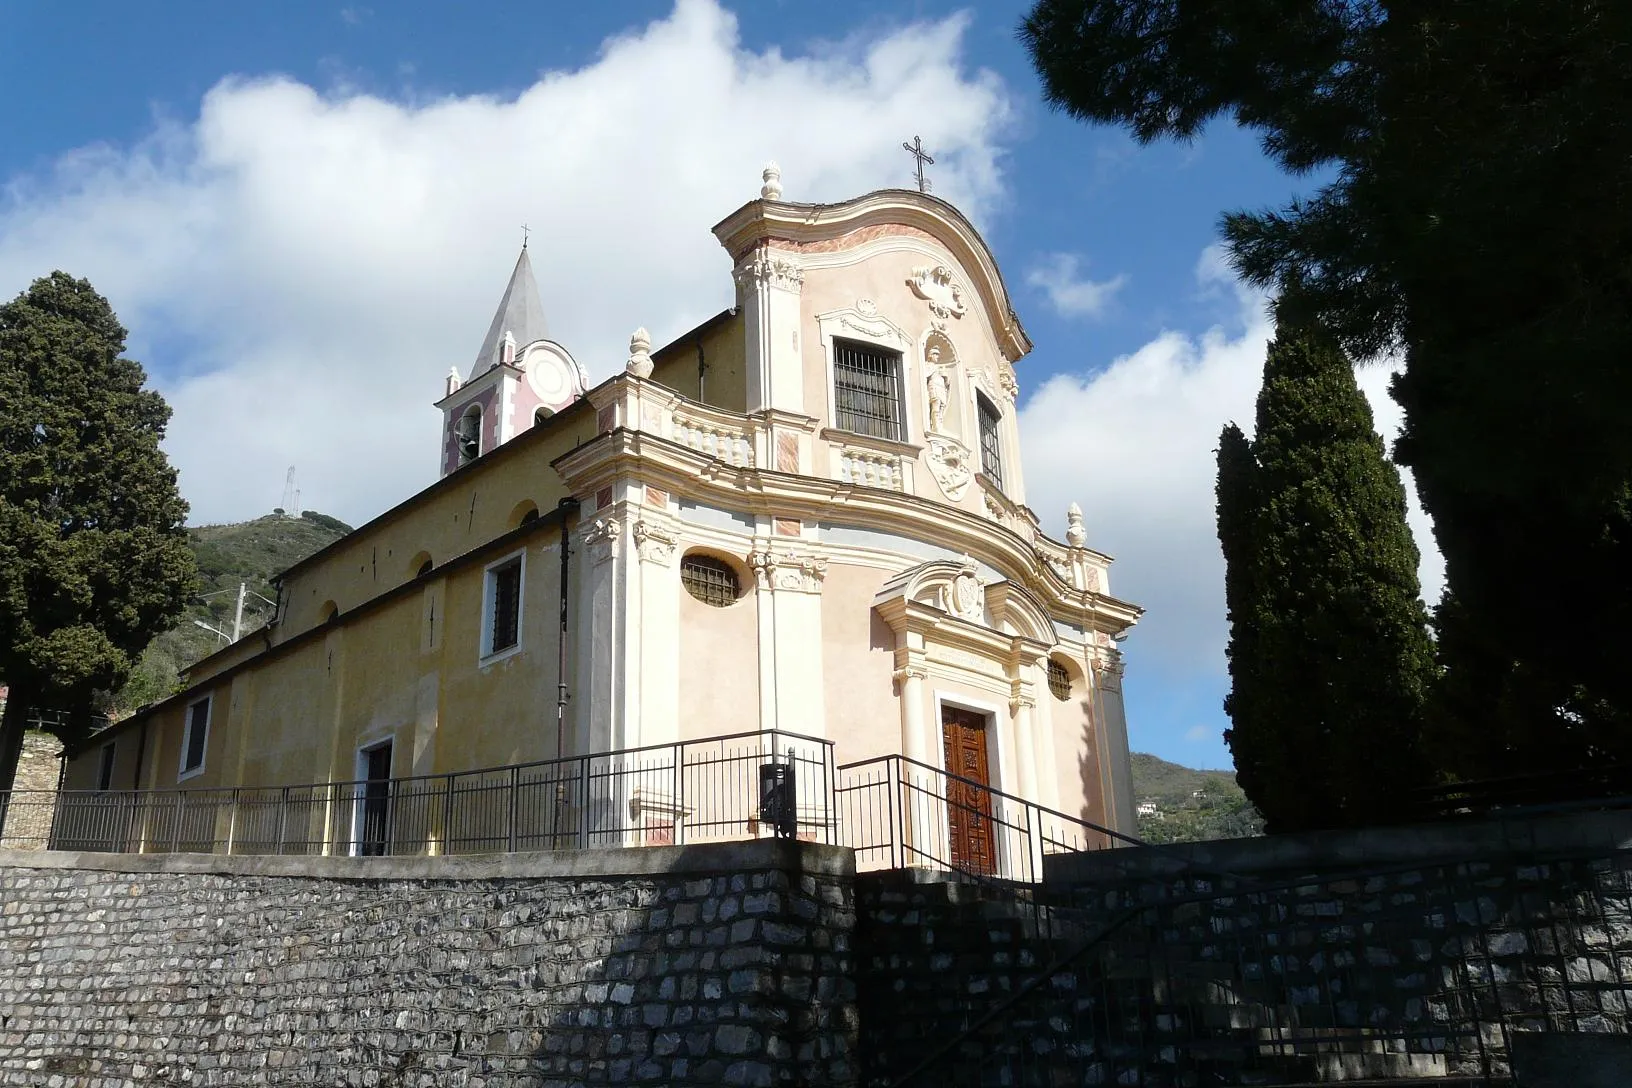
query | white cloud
(1070,294)
(1134,444)
(299,269)
(1198,733)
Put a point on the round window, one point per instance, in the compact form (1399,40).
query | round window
(712,581)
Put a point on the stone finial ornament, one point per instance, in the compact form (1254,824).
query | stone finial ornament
(1075,534)
(640,354)
(772,176)
(454,381)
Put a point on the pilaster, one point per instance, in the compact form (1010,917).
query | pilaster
(768,284)
(789,597)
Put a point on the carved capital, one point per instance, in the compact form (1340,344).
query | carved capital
(655,545)
(773,271)
(1022,702)
(602,539)
(780,571)
(909,672)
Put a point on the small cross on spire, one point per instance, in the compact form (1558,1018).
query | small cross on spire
(524,233)
(916,150)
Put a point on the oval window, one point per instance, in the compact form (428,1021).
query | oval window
(1059,681)
(712,581)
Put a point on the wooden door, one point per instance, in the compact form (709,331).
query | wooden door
(968,808)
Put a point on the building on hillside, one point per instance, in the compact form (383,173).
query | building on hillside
(806,516)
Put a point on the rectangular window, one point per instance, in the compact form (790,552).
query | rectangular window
(192,744)
(991,453)
(503,607)
(867,390)
(104,772)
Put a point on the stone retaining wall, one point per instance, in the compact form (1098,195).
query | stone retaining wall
(1410,953)
(723,964)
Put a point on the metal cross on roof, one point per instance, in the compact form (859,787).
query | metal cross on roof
(916,149)
(525,231)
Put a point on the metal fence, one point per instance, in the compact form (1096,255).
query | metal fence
(1427,973)
(670,794)
(900,813)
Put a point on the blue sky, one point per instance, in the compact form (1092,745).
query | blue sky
(305,213)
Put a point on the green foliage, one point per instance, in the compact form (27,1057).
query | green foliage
(1330,659)
(1191,805)
(251,552)
(334,525)
(93,558)
(1477,223)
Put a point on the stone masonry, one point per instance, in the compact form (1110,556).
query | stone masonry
(712,964)
(28,822)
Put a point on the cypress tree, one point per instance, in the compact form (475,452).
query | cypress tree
(94,559)
(1474,224)
(1329,655)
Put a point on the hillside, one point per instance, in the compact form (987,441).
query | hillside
(1190,804)
(250,552)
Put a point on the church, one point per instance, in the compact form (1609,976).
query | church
(804,519)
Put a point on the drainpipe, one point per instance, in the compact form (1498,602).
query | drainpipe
(702,366)
(563,509)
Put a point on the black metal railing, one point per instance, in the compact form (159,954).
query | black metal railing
(690,791)
(1605,786)
(900,813)
(1422,973)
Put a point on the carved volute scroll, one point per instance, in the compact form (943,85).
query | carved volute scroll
(936,285)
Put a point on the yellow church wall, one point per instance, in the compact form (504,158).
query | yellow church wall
(460,512)
(719,667)
(725,359)
(858,662)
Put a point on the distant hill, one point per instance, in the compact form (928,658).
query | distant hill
(250,552)
(1190,805)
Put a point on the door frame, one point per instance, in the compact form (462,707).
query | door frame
(995,765)
(359,819)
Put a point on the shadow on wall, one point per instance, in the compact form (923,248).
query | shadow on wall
(722,963)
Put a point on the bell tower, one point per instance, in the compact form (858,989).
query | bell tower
(520,377)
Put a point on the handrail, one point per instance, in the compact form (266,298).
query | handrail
(1120,919)
(995,792)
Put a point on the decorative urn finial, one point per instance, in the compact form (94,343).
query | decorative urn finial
(1075,534)
(772,189)
(640,354)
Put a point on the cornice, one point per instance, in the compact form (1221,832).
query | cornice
(766,493)
(804,224)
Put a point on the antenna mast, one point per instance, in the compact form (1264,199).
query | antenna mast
(291,495)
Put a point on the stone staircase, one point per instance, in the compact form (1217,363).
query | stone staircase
(1147,1004)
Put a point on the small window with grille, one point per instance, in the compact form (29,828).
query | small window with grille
(867,390)
(502,630)
(1059,681)
(991,452)
(712,581)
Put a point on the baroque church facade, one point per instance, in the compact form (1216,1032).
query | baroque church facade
(806,516)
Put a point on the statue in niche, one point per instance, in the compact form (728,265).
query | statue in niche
(940,389)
